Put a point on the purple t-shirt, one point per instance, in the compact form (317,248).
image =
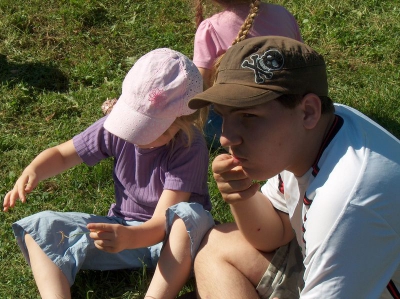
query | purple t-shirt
(216,34)
(141,175)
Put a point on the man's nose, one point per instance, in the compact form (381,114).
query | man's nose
(229,135)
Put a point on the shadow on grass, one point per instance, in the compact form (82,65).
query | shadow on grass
(391,125)
(119,284)
(111,284)
(36,75)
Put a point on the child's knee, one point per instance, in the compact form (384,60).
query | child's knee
(194,219)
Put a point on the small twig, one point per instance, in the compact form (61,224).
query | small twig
(63,236)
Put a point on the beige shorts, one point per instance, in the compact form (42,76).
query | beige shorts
(284,276)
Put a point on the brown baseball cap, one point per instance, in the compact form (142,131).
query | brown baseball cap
(261,69)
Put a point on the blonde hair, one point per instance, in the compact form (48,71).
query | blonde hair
(243,32)
(248,23)
(199,6)
(199,12)
(188,123)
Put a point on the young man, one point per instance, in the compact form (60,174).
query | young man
(326,224)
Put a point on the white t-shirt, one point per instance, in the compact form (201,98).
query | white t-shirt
(346,210)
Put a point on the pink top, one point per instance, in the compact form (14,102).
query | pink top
(216,34)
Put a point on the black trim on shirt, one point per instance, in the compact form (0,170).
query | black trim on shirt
(393,290)
(337,124)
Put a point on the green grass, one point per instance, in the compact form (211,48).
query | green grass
(59,60)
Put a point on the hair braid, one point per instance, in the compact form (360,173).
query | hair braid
(248,23)
(244,30)
(199,17)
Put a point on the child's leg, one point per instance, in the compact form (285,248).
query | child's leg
(187,223)
(174,266)
(50,281)
(57,245)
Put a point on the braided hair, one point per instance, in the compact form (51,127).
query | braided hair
(244,30)
(248,23)
(199,12)
(254,6)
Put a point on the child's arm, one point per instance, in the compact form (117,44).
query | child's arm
(48,163)
(115,237)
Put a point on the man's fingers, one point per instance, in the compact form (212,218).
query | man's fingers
(234,174)
(234,197)
(223,163)
(231,186)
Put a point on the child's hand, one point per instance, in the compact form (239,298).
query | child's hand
(24,185)
(109,237)
(232,181)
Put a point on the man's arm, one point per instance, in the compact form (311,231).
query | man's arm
(261,224)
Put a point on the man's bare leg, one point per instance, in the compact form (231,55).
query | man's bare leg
(50,281)
(227,266)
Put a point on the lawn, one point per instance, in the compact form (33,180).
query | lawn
(59,60)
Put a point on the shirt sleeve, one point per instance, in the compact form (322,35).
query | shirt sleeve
(187,167)
(273,190)
(206,45)
(95,143)
(188,171)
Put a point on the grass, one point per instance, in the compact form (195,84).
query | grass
(59,60)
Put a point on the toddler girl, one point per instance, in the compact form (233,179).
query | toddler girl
(161,204)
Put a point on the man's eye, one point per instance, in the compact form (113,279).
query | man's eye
(247,115)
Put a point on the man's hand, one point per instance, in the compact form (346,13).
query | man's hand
(111,238)
(232,181)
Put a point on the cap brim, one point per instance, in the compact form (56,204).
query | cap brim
(134,126)
(234,95)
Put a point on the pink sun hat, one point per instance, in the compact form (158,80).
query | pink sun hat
(155,92)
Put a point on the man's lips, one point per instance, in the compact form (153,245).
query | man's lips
(236,155)
(240,159)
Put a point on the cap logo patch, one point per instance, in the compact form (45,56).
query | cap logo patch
(264,66)
(157,97)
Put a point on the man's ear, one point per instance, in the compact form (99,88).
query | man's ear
(311,107)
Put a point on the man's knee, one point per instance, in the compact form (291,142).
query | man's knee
(213,243)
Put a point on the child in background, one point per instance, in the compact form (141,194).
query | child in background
(161,210)
(239,19)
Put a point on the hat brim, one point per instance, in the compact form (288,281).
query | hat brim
(234,95)
(133,126)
